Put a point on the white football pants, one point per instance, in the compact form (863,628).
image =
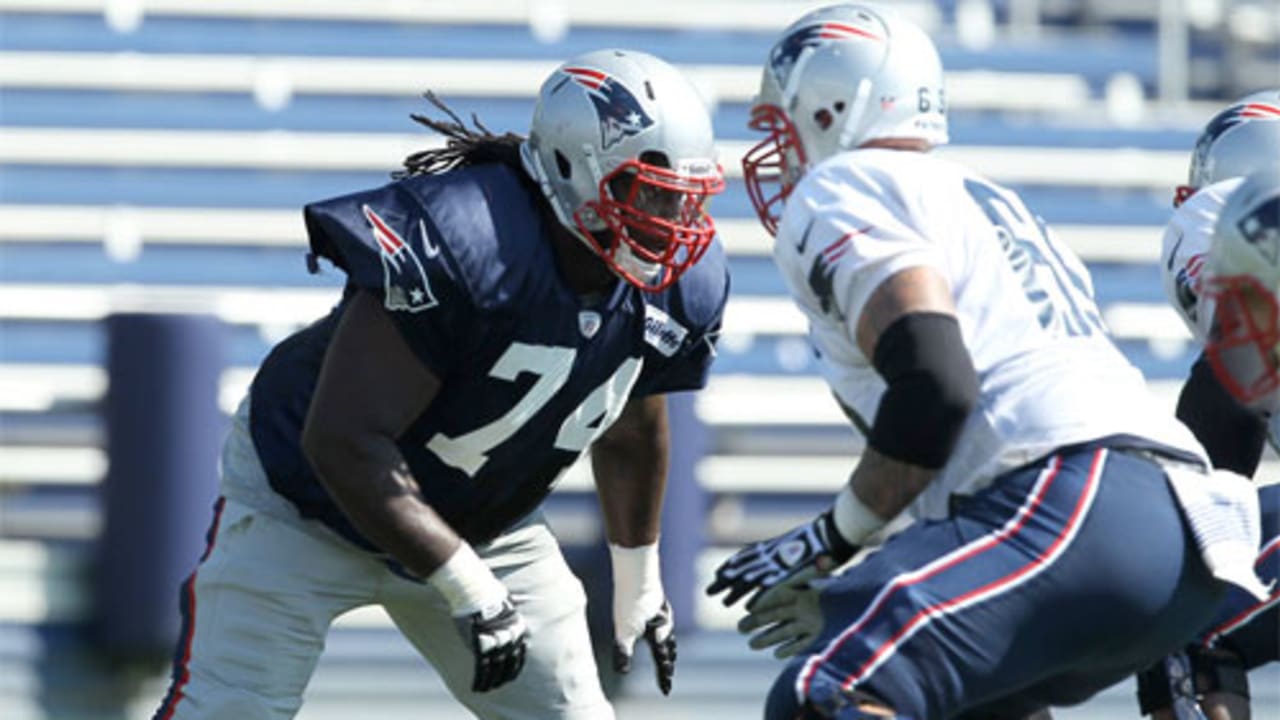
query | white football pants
(271,584)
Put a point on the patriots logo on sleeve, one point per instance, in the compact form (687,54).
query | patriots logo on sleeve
(822,272)
(785,54)
(404,278)
(1186,288)
(618,111)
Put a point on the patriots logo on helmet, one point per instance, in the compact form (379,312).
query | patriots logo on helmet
(784,55)
(404,279)
(619,112)
(1262,228)
(1231,117)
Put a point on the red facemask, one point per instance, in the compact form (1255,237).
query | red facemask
(1182,194)
(656,214)
(765,167)
(1242,345)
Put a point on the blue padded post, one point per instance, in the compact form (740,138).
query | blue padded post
(684,512)
(164,430)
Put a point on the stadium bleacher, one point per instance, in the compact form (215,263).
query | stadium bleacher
(155,154)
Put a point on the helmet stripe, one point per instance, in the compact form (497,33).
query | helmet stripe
(587,77)
(1259,110)
(841,31)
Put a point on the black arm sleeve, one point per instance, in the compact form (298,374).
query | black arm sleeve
(1232,434)
(932,388)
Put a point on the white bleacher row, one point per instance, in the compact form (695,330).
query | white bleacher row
(381,152)
(765,15)
(274,80)
(552,18)
(126,229)
(728,401)
(274,310)
(43,583)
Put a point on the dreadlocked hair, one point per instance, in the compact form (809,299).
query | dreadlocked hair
(464,147)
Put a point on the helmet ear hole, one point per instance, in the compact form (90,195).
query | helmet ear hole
(656,158)
(839,106)
(563,166)
(823,118)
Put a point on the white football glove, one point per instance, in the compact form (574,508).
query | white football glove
(640,609)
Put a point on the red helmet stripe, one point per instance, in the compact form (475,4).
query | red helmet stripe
(586,76)
(1259,110)
(841,31)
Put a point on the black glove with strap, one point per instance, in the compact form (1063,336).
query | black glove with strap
(498,638)
(485,615)
(762,565)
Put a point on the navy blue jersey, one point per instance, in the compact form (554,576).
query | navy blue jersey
(465,266)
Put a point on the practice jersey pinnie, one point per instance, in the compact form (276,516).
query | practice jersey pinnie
(1184,252)
(530,374)
(1049,375)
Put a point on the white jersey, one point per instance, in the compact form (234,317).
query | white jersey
(1048,374)
(1184,250)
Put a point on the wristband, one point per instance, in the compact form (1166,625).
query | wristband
(635,570)
(853,519)
(467,584)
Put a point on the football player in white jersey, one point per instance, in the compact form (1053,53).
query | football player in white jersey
(1224,415)
(1243,138)
(964,340)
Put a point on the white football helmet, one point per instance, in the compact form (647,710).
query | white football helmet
(621,145)
(1242,139)
(1244,261)
(839,77)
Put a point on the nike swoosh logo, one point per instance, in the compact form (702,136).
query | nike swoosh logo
(804,239)
(427,248)
(1174,252)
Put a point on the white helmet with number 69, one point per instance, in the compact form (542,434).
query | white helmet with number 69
(839,77)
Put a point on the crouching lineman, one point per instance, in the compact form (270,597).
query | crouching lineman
(510,303)
(964,337)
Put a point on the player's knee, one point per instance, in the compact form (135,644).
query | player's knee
(782,703)
(204,700)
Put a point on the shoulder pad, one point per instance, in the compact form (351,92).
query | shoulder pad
(699,296)
(385,243)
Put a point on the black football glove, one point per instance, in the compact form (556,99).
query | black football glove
(659,633)
(759,566)
(498,636)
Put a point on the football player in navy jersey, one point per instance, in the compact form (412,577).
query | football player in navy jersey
(509,304)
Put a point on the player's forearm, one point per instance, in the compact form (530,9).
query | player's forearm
(629,462)
(631,484)
(887,486)
(370,481)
